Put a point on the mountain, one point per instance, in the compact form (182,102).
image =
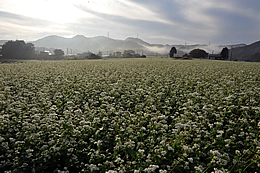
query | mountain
(138,41)
(80,44)
(247,53)
(2,42)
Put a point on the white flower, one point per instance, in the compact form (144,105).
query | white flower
(238,152)
(99,142)
(141,151)
(190,160)
(119,160)
(170,148)
(93,168)
(70,150)
(163,153)
(151,168)
(2,139)
(111,171)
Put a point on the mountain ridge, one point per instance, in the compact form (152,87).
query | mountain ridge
(247,53)
(81,43)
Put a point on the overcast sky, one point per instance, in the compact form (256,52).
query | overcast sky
(154,21)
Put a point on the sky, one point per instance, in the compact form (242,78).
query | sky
(155,21)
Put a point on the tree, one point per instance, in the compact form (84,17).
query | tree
(17,50)
(128,53)
(198,53)
(99,54)
(94,56)
(172,52)
(58,52)
(224,53)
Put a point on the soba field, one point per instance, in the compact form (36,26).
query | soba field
(130,115)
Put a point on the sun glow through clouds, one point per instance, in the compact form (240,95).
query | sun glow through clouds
(197,21)
(57,11)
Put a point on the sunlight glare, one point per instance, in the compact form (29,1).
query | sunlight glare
(57,11)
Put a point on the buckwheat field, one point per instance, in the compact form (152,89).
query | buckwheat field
(130,115)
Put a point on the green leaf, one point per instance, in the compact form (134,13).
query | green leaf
(131,152)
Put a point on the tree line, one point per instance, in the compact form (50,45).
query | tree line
(19,50)
(199,53)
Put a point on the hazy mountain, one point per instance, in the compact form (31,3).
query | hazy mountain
(80,44)
(138,41)
(247,53)
(2,42)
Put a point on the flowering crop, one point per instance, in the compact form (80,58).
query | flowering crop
(129,115)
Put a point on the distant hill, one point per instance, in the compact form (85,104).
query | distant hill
(247,53)
(80,44)
(2,42)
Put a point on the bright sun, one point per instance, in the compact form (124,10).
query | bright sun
(58,11)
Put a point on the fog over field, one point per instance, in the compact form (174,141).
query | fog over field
(81,44)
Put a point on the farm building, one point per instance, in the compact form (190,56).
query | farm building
(216,57)
(185,56)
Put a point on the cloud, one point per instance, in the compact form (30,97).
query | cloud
(21,20)
(197,20)
(166,21)
(30,27)
(218,20)
(121,9)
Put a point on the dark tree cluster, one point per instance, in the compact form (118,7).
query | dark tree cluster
(17,50)
(58,53)
(172,52)
(94,56)
(198,53)
(132,54)
(224,53)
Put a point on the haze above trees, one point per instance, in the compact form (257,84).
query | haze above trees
(108,46)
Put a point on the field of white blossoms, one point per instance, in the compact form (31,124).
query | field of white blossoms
(130,115)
